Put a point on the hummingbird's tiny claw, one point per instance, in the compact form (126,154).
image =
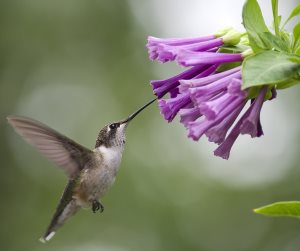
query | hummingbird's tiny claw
(96,206)
(101,208)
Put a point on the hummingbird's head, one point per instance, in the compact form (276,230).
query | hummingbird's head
(114,134)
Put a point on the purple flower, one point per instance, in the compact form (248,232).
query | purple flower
(208,101)
(161,87)
(166,49)
(208,91)
(223,150)
(189,114)
(212,108)
(170,107)
(199,127)
(189,58)
(251,124)
(218,133)
(202,80)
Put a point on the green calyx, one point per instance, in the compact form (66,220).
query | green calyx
(222,32)
(253,92)
(247,53)
(232,37)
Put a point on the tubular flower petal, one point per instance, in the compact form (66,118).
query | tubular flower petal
(218,133)
(161,87)
(170,107)
(166,53)
(185,84)
(198,128)
(189,114)
(251,123)
(188,58)
(224,149)
(163,49)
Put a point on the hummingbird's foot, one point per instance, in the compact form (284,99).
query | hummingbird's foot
(96,206)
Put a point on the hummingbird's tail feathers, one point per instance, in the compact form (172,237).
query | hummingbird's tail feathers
(59,218)
(66,208)
(44,239)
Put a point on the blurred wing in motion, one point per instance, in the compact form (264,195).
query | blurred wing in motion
(58,148)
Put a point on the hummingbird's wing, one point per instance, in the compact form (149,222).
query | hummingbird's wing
(64,152)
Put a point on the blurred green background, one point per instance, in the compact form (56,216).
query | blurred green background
(77,65)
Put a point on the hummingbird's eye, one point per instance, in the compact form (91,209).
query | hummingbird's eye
(114,125)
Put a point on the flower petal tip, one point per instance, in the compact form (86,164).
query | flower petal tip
(220,153)
(248,127)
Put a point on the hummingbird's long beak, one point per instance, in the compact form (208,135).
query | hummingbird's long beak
(137,112)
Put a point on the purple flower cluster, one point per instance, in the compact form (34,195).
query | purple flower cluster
(207,101)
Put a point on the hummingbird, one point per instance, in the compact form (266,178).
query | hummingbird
(90,172)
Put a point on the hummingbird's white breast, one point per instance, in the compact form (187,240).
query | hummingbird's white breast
(97,180)
(112,156)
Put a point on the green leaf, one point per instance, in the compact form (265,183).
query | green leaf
(276,19)
(284,208)
(296,32)
(288,39)
(297,50)
(254,23)
(269,67)
(288,83)
(274,42)
(296,35)
(295,59)
(295,12)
